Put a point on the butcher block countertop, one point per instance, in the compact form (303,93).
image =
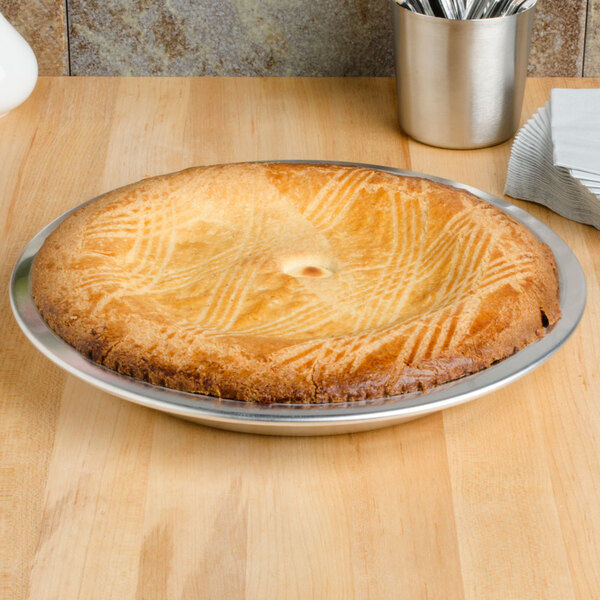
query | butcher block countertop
(101,498)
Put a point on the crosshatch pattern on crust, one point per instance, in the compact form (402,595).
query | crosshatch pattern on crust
(275,282)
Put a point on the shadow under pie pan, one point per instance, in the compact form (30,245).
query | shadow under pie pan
(311,419)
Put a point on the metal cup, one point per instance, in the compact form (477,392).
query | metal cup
(460,83)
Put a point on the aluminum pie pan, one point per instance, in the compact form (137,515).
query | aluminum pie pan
(311,419)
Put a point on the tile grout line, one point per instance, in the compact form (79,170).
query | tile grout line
(587,29)
(68,35)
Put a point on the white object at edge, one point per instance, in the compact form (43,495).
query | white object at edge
(18,68)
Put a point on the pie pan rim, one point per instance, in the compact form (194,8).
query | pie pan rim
(312,419)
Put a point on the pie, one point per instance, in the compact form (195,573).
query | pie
(303,283)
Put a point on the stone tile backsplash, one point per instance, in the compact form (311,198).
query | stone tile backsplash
(266,38)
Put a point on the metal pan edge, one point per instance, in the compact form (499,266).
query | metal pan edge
(281,419)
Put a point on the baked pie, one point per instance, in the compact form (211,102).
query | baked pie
(304,283)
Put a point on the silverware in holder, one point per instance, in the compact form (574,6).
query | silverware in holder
(467,9)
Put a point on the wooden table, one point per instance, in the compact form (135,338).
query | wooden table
(498,498)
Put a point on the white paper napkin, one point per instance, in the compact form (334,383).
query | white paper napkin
(576,129)
(556,167)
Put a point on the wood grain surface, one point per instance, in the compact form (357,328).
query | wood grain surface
(498,498)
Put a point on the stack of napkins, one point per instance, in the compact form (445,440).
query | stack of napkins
(555,158)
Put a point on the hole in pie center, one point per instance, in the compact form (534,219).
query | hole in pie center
(310,269)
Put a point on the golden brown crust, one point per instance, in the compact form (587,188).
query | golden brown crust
(273,282)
